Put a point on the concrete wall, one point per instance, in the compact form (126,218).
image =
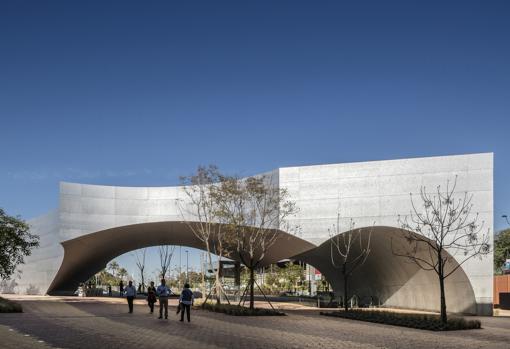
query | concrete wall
(41,266)
(369,192)
(378,191)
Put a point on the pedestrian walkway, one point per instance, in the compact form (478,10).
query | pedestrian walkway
(95,323)
(10,338)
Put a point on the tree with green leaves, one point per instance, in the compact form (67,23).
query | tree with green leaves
(16,242)
(289,277)
(501,250)
(103,277)
(113,267)
(122,273)
(254,209)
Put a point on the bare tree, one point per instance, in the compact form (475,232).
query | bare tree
(349,251)
(165,258)
(140,264)
(201,206)
(442,234)
(253,208)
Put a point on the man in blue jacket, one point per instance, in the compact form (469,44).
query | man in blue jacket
(186,301)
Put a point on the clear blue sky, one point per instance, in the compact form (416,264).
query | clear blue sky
(138,93)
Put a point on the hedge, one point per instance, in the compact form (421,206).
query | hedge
(238,310)
(430,322)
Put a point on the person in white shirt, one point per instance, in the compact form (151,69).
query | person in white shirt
(163,293)
(130,292)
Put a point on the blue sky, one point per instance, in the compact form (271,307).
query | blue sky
(138,93)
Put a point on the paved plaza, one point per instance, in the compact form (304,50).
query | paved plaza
(91,323)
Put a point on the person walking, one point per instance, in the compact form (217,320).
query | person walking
(163,293)
(130,295)
(121,288)
(186,301)
(151,296)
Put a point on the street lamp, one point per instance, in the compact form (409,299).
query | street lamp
(506,218)
(180,267)
(187,266)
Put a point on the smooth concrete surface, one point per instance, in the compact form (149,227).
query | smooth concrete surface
(377,192)
(92,252)
(391,281)
(371,193)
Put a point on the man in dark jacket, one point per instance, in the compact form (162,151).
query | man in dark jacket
(186,301)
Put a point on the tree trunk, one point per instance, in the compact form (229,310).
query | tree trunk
(440,275)
(218,283)
(218,293)
(444,318)
(346,298)
(252,283)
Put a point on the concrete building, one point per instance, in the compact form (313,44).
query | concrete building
(94,224)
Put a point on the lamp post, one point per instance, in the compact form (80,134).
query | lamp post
(176,270)
(187,266)
(506,219)
(180,268)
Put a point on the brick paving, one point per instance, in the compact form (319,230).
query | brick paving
(78,323)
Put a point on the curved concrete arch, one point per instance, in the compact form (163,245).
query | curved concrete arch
(395,281)
(87,254)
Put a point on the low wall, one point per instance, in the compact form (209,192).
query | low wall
(501,285)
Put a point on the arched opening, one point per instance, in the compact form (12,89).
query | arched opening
(393,281)
(87,254)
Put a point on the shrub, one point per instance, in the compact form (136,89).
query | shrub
(238,310)
(420,321)
(7,306)
(32,290)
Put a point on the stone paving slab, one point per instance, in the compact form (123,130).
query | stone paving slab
(10,338)
(93,323)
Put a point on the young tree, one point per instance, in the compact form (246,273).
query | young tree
(349,251)
(165,258)
(16,242)
(201,206)
(440,224)
(140,264)
(254,208)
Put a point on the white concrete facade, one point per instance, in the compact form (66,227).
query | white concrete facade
(368,192)
(378,191)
